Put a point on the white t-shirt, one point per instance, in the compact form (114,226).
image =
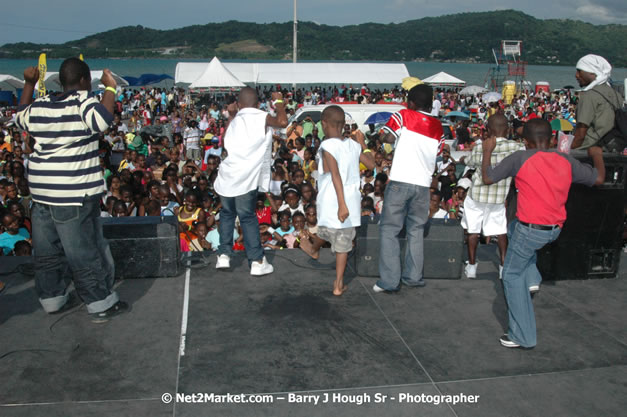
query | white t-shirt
(440,214)
(286,206)
(249,145)
(435,108)
(441,166)
(346,153)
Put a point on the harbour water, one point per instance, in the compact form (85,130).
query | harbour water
(473,74)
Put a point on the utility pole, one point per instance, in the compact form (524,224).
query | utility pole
(295,42)
(295,51)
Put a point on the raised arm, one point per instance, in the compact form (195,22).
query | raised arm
(280,120)
(108,97)
(31,75)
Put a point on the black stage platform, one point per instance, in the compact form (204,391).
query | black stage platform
(286,333)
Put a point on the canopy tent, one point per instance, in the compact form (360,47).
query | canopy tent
(216,76)
(444,79)
(146,79)
(300,73)
(10,81)
(53,82)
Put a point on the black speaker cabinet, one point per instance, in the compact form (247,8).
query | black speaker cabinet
(144,247)
(590,244)
(443,249)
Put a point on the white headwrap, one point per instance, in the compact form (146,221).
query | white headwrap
(595,64)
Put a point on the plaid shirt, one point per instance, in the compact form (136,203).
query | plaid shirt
(495,193)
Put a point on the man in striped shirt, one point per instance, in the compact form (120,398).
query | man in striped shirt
(66,186)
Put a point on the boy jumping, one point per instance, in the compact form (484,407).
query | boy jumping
(338,202)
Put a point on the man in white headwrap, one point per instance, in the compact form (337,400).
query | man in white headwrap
(597,102)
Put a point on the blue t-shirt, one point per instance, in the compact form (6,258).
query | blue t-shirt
(213,237)
(169,209)
(282,232)
(8,241)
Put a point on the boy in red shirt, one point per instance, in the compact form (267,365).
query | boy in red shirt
(543,178)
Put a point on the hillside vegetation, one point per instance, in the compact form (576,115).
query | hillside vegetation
(467,37)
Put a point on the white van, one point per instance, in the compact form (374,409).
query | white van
(358,113)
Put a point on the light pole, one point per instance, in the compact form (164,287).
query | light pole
(295,51)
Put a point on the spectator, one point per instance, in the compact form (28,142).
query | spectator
(12,234)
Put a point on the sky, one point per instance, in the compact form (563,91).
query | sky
(58,21)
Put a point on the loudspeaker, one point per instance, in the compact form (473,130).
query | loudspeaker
(443,249)
(590,244)
(143,246)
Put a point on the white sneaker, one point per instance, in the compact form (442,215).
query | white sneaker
(223,262)
(376,288)
(534,289)
(261,268)
(500,271)
(470,270)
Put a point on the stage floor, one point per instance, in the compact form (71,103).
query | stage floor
(286,335)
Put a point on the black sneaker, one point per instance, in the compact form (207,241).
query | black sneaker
(508,343)
(104,316)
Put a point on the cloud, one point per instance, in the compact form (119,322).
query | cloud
(615,12)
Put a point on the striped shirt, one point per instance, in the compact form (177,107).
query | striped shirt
(497,192)
(192,138)
(64,166)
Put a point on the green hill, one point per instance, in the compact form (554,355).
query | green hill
(460,37)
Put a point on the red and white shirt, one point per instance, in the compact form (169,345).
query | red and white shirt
(418,143)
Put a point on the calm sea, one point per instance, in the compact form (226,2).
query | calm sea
(473,74)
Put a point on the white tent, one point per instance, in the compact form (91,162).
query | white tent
(301,73)
(10,81)
(216,76)
(444,79)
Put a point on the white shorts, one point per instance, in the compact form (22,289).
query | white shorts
(487,217)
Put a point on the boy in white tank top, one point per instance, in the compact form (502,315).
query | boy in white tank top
(339,205)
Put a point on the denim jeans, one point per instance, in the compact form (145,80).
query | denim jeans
(242,206)
(403,205)
(68,243)
(519,273)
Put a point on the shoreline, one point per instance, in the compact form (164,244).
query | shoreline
(208,58)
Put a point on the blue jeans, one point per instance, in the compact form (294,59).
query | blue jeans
(519,273)
(242,206)
(403,205)
(68,243)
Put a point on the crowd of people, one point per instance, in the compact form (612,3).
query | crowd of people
(162,154)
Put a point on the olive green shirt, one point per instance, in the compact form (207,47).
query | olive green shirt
(597,113)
